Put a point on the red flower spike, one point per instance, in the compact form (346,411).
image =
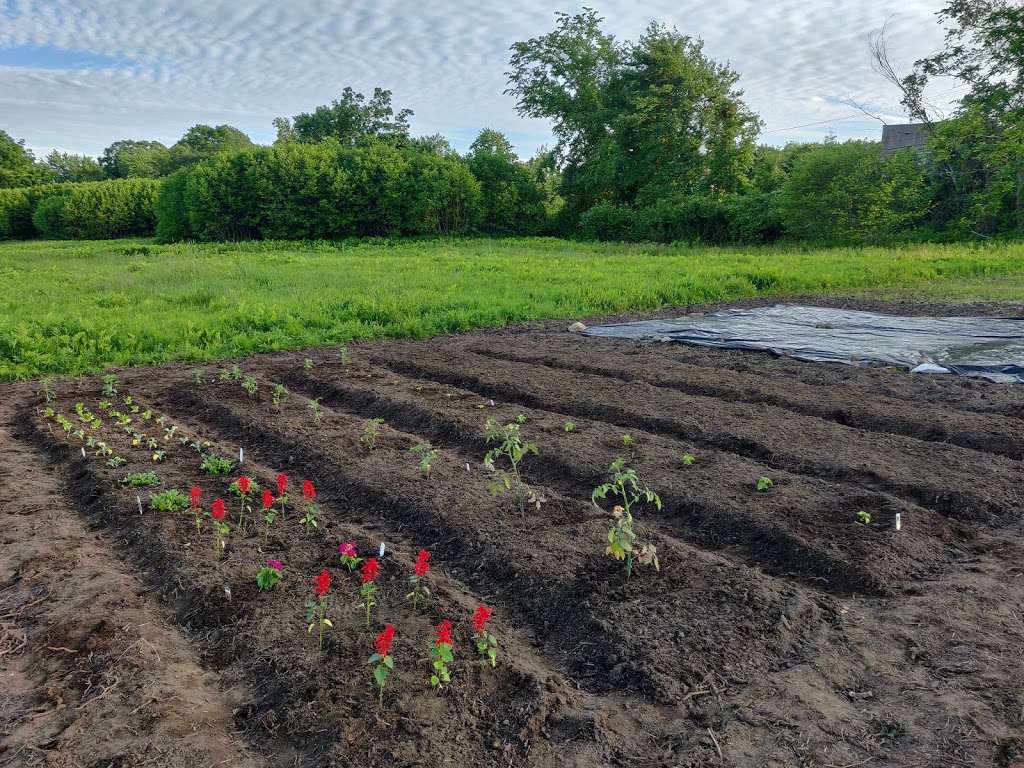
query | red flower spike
(322,583)
(218,511)
(282,484)
(308,491)
(193,494)
(422,563)
(268,499)
(384,639)
(243,484)
(483,613)
(370,569)
(444,632)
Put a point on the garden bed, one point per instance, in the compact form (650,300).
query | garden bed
(783,628)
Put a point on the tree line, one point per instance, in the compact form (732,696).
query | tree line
(654,141)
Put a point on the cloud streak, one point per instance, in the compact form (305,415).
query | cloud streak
(78,75)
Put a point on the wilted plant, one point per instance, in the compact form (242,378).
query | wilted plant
(349,555)
(486,643)
(368,588)
(382,660)
(427,455)
(171,500)
(109,385)
(627,487)
(269,575)
(764,483)
(511,446)
(419,588)
(250,386)
(316,611)
(371,429)
(279,395)
(441,655)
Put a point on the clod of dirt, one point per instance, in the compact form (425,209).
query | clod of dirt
(577,327)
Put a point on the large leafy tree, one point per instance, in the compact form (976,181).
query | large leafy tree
(512,200)
(127,159)
(352,120)
(71,167)
(634,121)
(18,166)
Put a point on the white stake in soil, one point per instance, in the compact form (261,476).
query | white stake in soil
(899,521)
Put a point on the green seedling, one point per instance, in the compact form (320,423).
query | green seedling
(46,390)
(514,449)
(307,364)
(371,430)
(764,483)
(171,500)
(141,479)
(109,385)
(278,395)
(622,539)
(687,459)
(864,517)
(569,426)
(115,461)
(197,376)
(250,386)
(627,440)
(315,410)
(213,464)
(427,455)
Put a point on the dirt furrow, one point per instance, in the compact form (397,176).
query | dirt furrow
(990,433)
(955,481)
(712,503)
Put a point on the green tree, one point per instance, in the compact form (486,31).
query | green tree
(18,166)
(70,167)
(127,159)
(201,141)
(512,200)
(352,120)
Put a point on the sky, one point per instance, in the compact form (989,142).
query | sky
(76,75)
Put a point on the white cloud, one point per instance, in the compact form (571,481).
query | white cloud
(178,62)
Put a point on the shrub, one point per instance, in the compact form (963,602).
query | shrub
(607,221)
(18,204)
(169,209)
(48,217)
(107,209)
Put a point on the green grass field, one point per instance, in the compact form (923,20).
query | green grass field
(71,307)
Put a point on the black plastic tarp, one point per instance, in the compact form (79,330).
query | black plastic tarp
(986,347)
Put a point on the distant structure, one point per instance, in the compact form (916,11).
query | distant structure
(912,135)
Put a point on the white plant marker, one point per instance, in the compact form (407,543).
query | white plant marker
(467,466)
(227,592)
(241,455)
(83,451)
(899,521)
(139,500)
(381,550)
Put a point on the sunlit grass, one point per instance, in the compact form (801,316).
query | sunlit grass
(70,307)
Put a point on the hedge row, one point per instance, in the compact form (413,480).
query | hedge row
(319,191)
(92,210)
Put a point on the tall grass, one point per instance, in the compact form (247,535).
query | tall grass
(70,307)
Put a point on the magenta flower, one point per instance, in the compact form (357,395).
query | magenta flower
(277,565)
(347,549)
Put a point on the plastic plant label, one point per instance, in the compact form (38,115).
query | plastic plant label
(381,550)
(899,521)
(241,455)
(139,500)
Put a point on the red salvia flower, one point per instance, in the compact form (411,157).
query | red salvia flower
(370,568)
(218,510)
(268,499)
(384,639)
(282,484)
(243,484)
(422,563)
(308,491)
(483,613)
(322,583)
(193,494)
(444,632)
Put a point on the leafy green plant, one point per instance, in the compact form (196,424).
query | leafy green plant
(197,377)
(116,461)
(212,464)
(46,390)
(520,419)
(864,517)
(269,575)
(371,430)
(109,385)
(486,642)
(627,440)
(629,490)
(158,456)
(278,395)
(514,449)
(441,655)
(427,455)
(420,591)
(307,364)
(343,355)
(315,409)
(250,386)
(234,373)
(382,660)
(141,479)
(764,483)
(687,459)
(171,500)
(569,426)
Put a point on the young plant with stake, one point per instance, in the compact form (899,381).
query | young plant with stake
(316,611)
(441,655)
(382,661)
(420,592)
(512,447)
(368,588)
(427,455)
(486,642)
(627,487)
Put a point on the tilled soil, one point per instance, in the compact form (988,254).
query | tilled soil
(779,631)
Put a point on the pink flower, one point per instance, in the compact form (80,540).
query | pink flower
(347,549)
(277,565)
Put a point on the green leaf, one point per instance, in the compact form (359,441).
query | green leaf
(380,674)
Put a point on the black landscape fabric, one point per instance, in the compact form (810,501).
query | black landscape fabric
(986,347)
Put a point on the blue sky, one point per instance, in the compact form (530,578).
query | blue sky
(77,75)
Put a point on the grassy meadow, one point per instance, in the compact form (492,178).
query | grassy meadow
(76,306)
